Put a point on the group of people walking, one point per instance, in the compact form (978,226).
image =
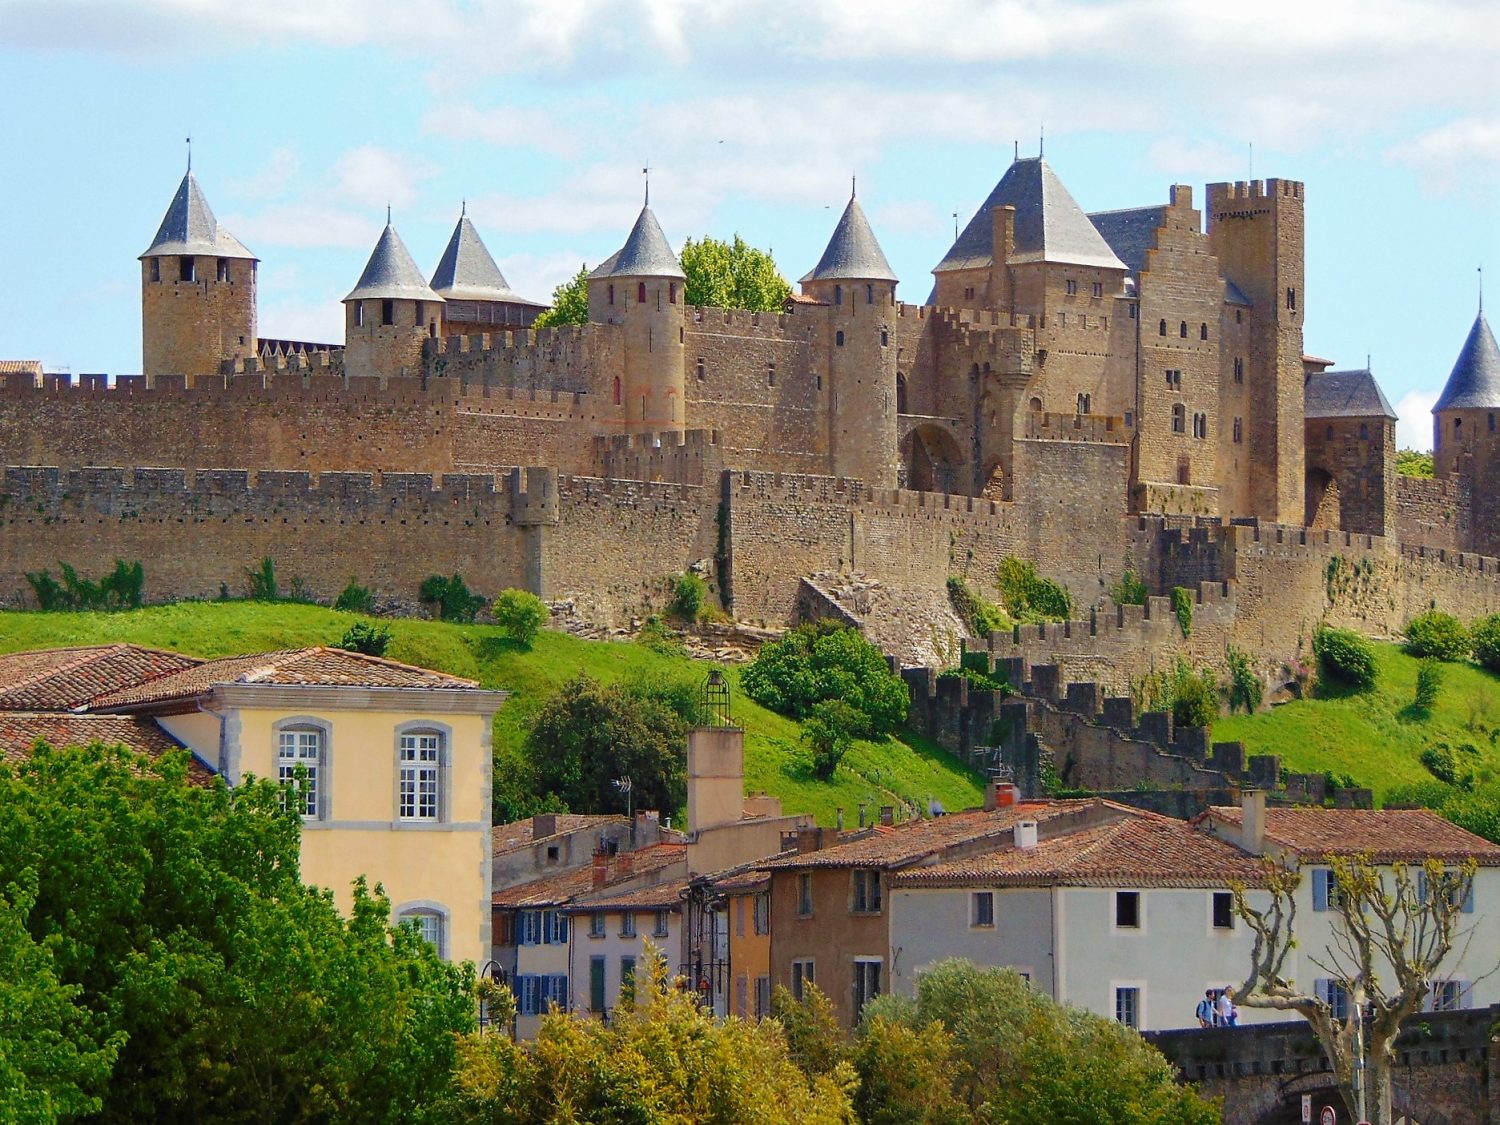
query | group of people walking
(1217,1008)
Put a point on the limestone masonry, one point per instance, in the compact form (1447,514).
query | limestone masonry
(1091,392)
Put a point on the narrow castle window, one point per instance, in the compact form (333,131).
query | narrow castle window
(1364,431)
(1239,431)
(1182,330)
(700,368)
(1328,434)
(900,393)
(1132,310)
(1203,332)
(359,314)
(1492,423)
(617,383)
(611,292)
(1239,369)
(1129,418)
(155,269)
(1458,424)
(1098,289)
(885,338)
(1161,329)
(820,382)
(1179,418)
(223,269)
(640,293)
(187,268)
(1072,287)
(1291,299)
(770,373)
(418,318)
(1239,316)
(672,293)
(838,339)
(838,294)
(387,312)
(869,294)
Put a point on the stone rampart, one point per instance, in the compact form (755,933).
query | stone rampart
(1434,513)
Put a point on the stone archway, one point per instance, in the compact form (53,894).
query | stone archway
(1322,504)
(933,459)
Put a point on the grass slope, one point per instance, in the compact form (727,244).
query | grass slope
(1376,737)
(909,768)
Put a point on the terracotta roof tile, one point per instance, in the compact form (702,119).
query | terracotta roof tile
(557,890)
(1386,835)
(661,896)
(61,679)
(1136,851)
(312,667)
(20,731)
(907,843)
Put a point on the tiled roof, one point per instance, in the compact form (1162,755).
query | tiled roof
(309,667)
(20,731)
(661,896)
(189,227)
(562,888)
(518,834)
(1474,383)
(467,272)
(915,840)
(61,679)
(1144,850)
(1050,226)
(853,253)
(21,367)
(391,273)
(1386,835)
(646,253)
(1344,394)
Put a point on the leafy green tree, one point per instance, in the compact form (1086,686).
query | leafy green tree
(570,302)
(175,916)
(732,275)
(451,598)
(829,729)
(520,615)
(819,661)
(354,598)
(688,595)
(907,1075)
(663,1059)
(589,734)
(1346,657)
(1245,688)
(1414,463)
(1439,635)
(1429,683)
(1486,635)
(1020,1058)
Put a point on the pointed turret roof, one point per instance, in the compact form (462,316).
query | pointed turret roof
(1050,226)
(390,272)
(1344,394)
(467,272)
(1475,381)
(645,253)
(189,227)
(853,253)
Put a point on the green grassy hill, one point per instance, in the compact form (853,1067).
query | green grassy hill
(1377,737)
(909,768)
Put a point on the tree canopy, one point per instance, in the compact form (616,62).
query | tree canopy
(817,662)
(170,964)
(570,301)
(732,275)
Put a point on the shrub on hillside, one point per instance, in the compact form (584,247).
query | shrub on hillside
(1027,596)
(366,637)
(261,581)
(355,598)
(451,598)
(980,615)
(520,615)
(1439,761)
(1346,657)
(819,661)
(688,596)
(829,729)
(1439,635)
(1429,683)
(1245,688)
(119,589)
(1486,635)
(1191,697)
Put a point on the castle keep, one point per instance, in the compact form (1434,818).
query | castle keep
(1077,389)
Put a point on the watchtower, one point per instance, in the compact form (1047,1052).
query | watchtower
(197,292)
(858,287)
(390,314)
(1465,441)
(641,287)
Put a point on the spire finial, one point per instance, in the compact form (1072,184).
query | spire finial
(853,185)
(1041,141)
(387,214)
(463,208)
(1481,289)
(955,226)
(646,171)
(1017,154)
(189,143)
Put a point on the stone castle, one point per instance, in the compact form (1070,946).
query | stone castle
(1091,392)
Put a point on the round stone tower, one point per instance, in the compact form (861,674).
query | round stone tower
(390,314)
(1466,432)
(641,288)
(197,292)
(858,286)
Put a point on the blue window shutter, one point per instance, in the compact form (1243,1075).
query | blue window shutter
(1320,888)
(562,928)
(1421,887)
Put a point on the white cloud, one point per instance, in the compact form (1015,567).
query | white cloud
(318,321)
(1414,420)
(536,275)
(278,171)
(505,126)
(1190,162)
(1462,156)
(306,226)
(376,177)
(914,216)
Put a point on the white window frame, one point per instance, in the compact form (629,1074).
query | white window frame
(804,972)
(860,968)
(597,925)
(663,924)
(627,924)
(319,767)
(1450,995)
(976,922)
(431,920)
(1116,987)
(422,782)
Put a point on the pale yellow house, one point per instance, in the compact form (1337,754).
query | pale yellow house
(390,764)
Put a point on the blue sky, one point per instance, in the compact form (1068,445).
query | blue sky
(310,116)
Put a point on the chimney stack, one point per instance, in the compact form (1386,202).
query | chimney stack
(1253,821)
(1026,835)
(1000,795)
(601,869)
(888,815)
(543,825)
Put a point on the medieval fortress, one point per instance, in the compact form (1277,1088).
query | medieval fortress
(1090,392)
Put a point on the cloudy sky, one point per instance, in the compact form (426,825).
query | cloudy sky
(309,117)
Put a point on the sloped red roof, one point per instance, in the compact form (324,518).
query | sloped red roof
(311,667)
(60,679)
(20,731)
(519,833)
(659,896)
(1386,835)
(562,888)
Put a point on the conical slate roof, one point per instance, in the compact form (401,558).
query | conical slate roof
(1050,226)
(853,253)
(1344,394)
(391,272)
(1475,381)
(645,253)
(189,227)
(467,272)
